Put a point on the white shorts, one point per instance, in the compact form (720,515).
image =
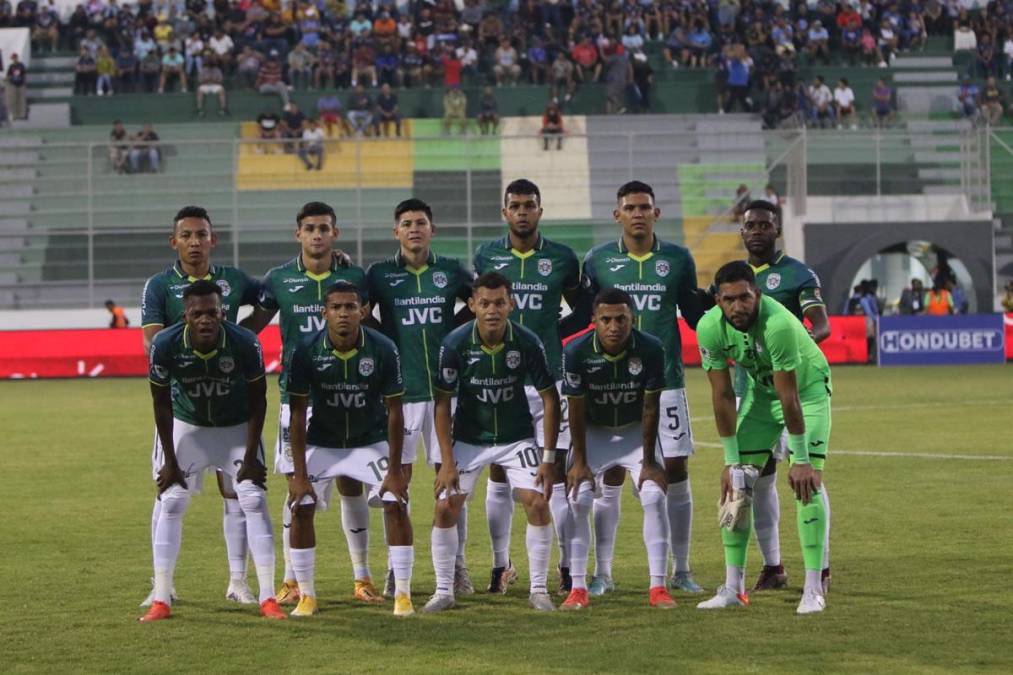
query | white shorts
(538,414)
(200,448)
(367,465)
(673,429)
(611,447)
(283,444)
(420,428)
(210,88)
(519,459)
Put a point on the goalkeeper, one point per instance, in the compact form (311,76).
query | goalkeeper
(789,386)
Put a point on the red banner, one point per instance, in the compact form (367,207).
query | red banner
(1008,320)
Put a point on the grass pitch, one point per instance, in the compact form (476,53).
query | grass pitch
(921,555)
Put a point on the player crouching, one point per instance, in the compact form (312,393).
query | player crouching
(209,396)
(613,378)
(350,376)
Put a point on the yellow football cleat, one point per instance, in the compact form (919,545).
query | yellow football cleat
(403,605)
(288,594)
(365,591)
(307,606)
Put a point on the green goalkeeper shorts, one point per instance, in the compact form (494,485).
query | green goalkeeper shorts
(761,422)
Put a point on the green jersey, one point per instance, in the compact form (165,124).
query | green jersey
(299,295)
(492,408)
(538,278)
(791,282)
(614,385)
(162,304)
(777,341)
(659,282)
(208,389)
(346,389)
(417,312)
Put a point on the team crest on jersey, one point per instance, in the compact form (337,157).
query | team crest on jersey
(662,268)
(636,366)
(224,285)
(449,375)
(545,267)
(366,367)
(439,279)
(513,359)
(226,364)
(573,379)
(773,281)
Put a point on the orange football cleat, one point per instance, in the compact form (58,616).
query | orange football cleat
(577,599)
(269,609)
(157,612)
(661,599)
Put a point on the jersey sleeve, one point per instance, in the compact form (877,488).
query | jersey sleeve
(573,375)
(393,381)
(153,303)
(253,359)
(782,343)
(571,276)
(654,366)
(251,289)
(809,292)
(712,354)
(477,261)
(370,284)
(690,305)
(159,363)
(538,365)
(266,298)
(300,370)
(466,278)
(359,279)
(448,369)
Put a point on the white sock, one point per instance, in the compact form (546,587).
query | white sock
(168,536)
(462,536)
(499,512)
(813,581)
(259,533)
(304,563)
(444,546)
(580,541)
(680,522)
(655,532)
(355,523)
(286,531)
(826,536)
(767,518)
(562,520)
(155,510)
(234,529)
(402,558)
(735,578)
(606,522)
(539,542)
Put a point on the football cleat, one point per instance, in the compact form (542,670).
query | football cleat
(151,595)
(600,585)
(307,606)
(269,609)
(825,579)
(438,603)
(542,602)
(684,581)
(403,605)
(501,578)
(660,598)
(240,592)
(365,591)
(812,603)
(725,598)
(565,582)
(577,599)
(388,585)
(158,611)
(772,578)
(288,594)
(462,581)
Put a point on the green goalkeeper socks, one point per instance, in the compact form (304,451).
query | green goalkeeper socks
(737,543)
(812,527)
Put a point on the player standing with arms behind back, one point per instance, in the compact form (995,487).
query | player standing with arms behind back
(661,278)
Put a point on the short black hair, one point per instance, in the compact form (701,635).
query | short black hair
(413,204)
(342,286)
(737,270)
(492,281)
(110,302)
(200,288)
(764,205)
(634,187)
(612,296)
(522,186)
(315,209)
(191,212)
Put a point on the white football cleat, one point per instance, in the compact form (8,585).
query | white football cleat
(239,591)
(542,602)
(725,598)
(812,602)
(438,603)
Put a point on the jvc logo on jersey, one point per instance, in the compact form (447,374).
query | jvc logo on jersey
(312,324)
(531,301)
(208,389)
(347,400)
(647,302)
(615,397)
(497,395)
(423,315)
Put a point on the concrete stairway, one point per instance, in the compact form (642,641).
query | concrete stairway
(925,84)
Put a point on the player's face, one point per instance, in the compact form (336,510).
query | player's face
(522,213)
(637,214)
(760,230)
(491,307)
(203,315)
(414,231)
(613,323)
(193,240)
(343,313)
(739,301)
(317,235)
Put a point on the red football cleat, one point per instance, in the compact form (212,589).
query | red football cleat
(269,609)
(157,612)
(660,598)
(577,599)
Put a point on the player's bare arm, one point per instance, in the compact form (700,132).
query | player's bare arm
(652,469)
(546,470)
(723,400)
(149,332)
(170,473)
(447,478)
(258,319)
(804,480)
(395,481)
(299,486)
(579,470)
(817,316)
(253,468)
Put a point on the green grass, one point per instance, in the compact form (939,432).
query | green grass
(921,576)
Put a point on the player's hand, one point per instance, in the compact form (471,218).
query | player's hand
(545,478)
(654,472)
(254,471)
(342,258)
(298,489)
(578,473)
(726,484)
(170,474)
(394,482)
(447,480)
(804,480)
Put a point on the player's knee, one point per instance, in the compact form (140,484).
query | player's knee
(349,487)
(651,493)
(446,512)
(304,513)
(252,498)
(497,474)
(676,469)
(175,500)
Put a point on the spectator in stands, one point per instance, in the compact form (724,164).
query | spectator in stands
(388,66)
(871,55)
(363,62)
(507,68)
(561,74)
(119,147)
(92,42)
(105,70)
(888,43)
(387,112)
(119,317)
(960,304)
(222,46)
(172,70)
(937,21)
(455,109)
(643,81)
(211,82)
(741,199)
(16,89)
(964,39)
(145,147)
(468,57)
(985,61)
(163,33)
(585,55)
(248,67)
(325,74)
(1006,61)
(739,66)
(269,129)
(300,66)
(618,79)
(84,73)
(992,102)
(269,77)
(870,308)
(823,103)
(882,103)
(552,126)
(193,55)
(360,110)
(676,45)
(912,300)
(939,300)
(488,112)
(773,103)
(292,123)
(126,70)
(915,34)
(416,68)
(818,45)
(538,60)
(312,146)
(274,35)
(844,104)
(853,305)
(699,43)
(967,99)
(46,29)
(329,110)
(1007,299)
(151,70)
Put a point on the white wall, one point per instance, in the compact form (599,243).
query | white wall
(15,41)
